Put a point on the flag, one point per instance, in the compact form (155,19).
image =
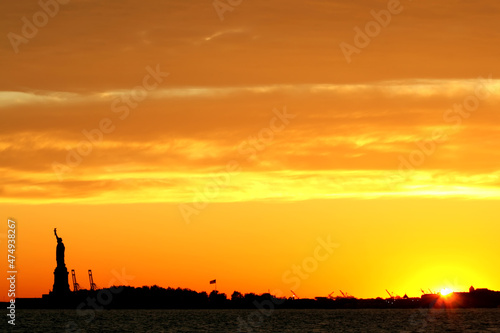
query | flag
(212,282)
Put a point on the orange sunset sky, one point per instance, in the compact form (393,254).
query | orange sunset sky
(179,143)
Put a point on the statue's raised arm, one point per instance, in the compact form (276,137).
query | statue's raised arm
(55,233)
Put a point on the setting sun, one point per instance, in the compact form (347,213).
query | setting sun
(445,292)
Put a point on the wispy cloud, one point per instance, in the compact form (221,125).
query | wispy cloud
(407,88)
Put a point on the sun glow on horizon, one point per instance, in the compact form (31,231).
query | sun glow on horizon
(445,291)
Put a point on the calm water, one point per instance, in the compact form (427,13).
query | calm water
(416,320)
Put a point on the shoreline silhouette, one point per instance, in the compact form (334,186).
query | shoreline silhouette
(156,297)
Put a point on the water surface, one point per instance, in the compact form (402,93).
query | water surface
(373,320)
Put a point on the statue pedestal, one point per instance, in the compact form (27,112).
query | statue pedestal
(61,285)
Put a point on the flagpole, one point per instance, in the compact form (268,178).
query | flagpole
(214,282)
